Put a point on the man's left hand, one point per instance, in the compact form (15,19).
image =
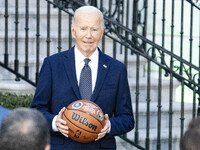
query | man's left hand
(106,128)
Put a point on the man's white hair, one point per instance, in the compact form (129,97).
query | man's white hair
(88,9)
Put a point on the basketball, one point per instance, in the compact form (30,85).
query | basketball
(85,120)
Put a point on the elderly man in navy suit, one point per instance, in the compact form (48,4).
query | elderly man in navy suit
(60,83)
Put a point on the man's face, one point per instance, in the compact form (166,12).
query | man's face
(87,32)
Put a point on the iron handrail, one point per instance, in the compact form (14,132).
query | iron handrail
(194,4)
(138,48)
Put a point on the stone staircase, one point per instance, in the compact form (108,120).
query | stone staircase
(8,83)
(122,145)
(7,80)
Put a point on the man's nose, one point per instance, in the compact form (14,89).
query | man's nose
(89,34)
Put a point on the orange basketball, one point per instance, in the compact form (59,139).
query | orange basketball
(85,120)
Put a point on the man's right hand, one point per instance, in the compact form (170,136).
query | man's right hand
(62,124)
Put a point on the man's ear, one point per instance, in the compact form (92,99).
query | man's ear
(73,30)
(102,32)
(47,147)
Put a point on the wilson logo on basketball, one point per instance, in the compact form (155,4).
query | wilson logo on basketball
(82,120)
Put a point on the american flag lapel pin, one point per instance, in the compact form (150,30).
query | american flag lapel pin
(104,66)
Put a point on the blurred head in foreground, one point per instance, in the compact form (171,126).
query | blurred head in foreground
(24,129)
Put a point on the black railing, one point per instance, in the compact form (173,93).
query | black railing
(43,28)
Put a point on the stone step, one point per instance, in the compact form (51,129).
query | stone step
(32,22)
(153,88)
(31,44)
(153,132)
(5,75)
(21,87)
(176,121)
(22,4)
(131,64)
(123,145)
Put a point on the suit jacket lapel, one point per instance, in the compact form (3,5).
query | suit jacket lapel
(69,64)
(102,71)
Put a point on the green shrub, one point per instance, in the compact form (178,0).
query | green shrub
(11,101)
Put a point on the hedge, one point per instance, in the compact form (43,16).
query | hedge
(11,101)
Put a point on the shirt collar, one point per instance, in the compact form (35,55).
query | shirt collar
(80,57)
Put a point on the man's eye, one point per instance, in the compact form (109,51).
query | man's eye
(83,29)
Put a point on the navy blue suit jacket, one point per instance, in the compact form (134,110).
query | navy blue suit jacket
(58,87)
